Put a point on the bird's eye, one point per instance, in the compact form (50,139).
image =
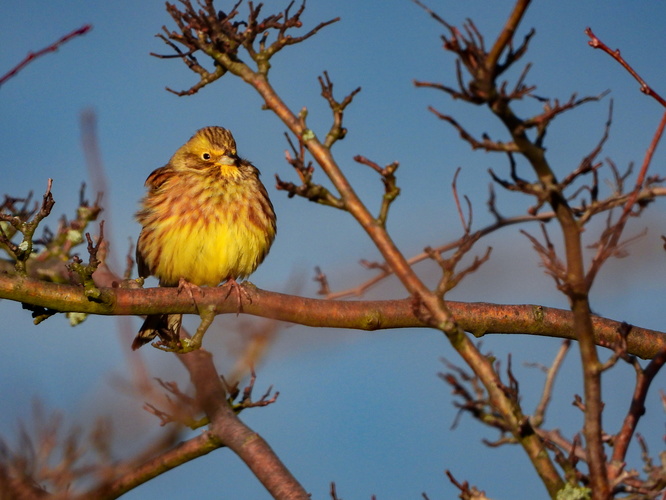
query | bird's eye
(206,156)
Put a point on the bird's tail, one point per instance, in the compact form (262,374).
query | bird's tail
(164,326)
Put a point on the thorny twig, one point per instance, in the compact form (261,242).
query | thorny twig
(181,407)
(85,272)
(307,189)
(474,397)
(467,492)
(584,211)
(337,131)
(391,189)
(217,35)
(610,238)
(22,252)
(245,400)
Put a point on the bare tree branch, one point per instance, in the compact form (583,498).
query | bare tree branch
(51,48)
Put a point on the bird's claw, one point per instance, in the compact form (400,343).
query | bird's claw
(182,346)
(190,288)
(232,284)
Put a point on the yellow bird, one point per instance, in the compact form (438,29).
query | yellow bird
(206,219)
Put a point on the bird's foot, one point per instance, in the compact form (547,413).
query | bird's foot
(190,288)
(168,346)
(232,284)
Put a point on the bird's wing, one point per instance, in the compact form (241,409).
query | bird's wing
(158,177)
(141,265)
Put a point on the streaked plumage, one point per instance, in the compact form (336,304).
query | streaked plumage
(206,219)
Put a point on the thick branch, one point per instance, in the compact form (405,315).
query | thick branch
(478,318)
(142,473)
(234,434)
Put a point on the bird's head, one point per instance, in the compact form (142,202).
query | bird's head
(210,147)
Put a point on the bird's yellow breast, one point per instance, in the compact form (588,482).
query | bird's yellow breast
(206,236)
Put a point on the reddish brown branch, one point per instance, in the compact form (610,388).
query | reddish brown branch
(585,212)
(391,189)
(615,54)
(137,474)
(636,411)
(486,144)
(610,240)
(337,132)
(477,318)
(51,48)
(466,222)
(551,373)
(229,430)
(221,40)
(505,39)
(467,492)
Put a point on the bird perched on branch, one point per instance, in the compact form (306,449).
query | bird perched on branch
(206,219)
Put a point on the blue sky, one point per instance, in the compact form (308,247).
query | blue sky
(365,410)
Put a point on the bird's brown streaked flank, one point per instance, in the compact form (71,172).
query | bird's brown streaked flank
(206,219)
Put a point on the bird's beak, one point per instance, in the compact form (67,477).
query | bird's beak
(227,160)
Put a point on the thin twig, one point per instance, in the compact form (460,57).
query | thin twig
(51,48)
(615,54)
